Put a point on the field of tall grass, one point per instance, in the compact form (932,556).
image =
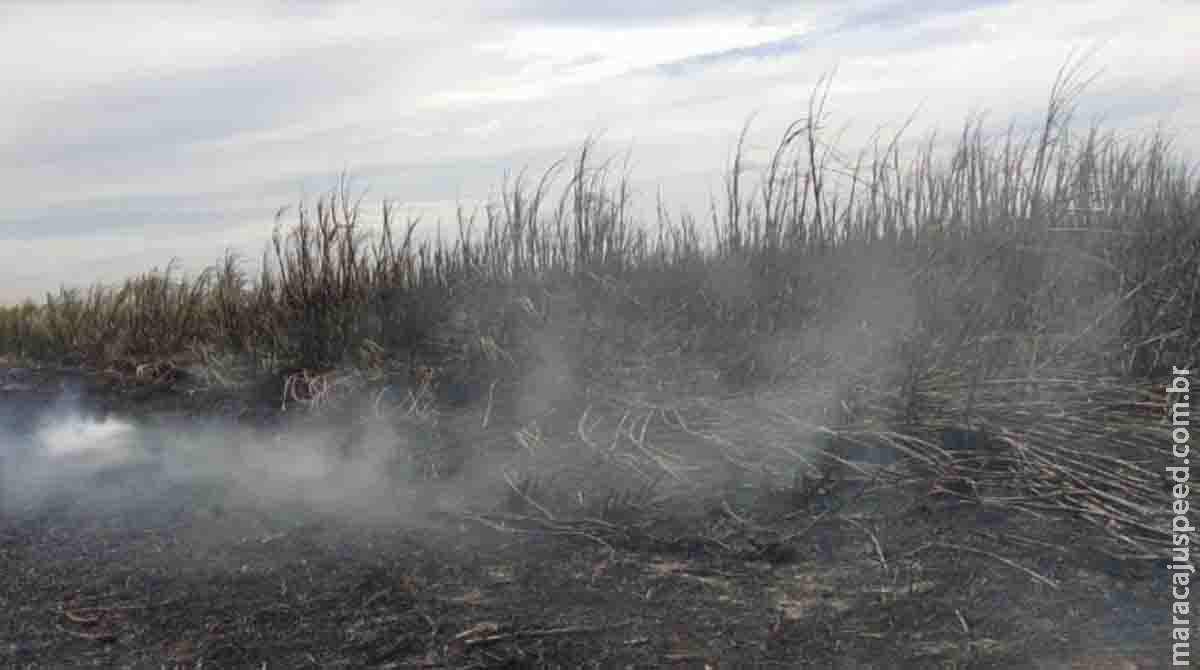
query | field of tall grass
(1025,251)
(1036,284)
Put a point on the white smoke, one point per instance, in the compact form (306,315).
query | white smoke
(71,456)
(105,441)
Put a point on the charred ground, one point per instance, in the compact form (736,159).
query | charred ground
(891,571)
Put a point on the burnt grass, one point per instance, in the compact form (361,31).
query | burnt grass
(897,407)
(849,576)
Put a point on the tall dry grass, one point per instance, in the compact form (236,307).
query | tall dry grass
(1020,249)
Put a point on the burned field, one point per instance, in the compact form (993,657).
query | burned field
(903,408)
(957,552)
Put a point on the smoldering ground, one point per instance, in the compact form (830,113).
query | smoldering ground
(197,540)
(139,542)
(69,457)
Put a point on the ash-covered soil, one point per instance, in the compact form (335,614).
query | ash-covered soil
(134,571)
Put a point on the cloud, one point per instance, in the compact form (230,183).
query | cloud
(898,14)
(141,135)
(642,12)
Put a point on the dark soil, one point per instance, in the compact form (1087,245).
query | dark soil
(902,579)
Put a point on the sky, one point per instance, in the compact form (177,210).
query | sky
(135,133)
